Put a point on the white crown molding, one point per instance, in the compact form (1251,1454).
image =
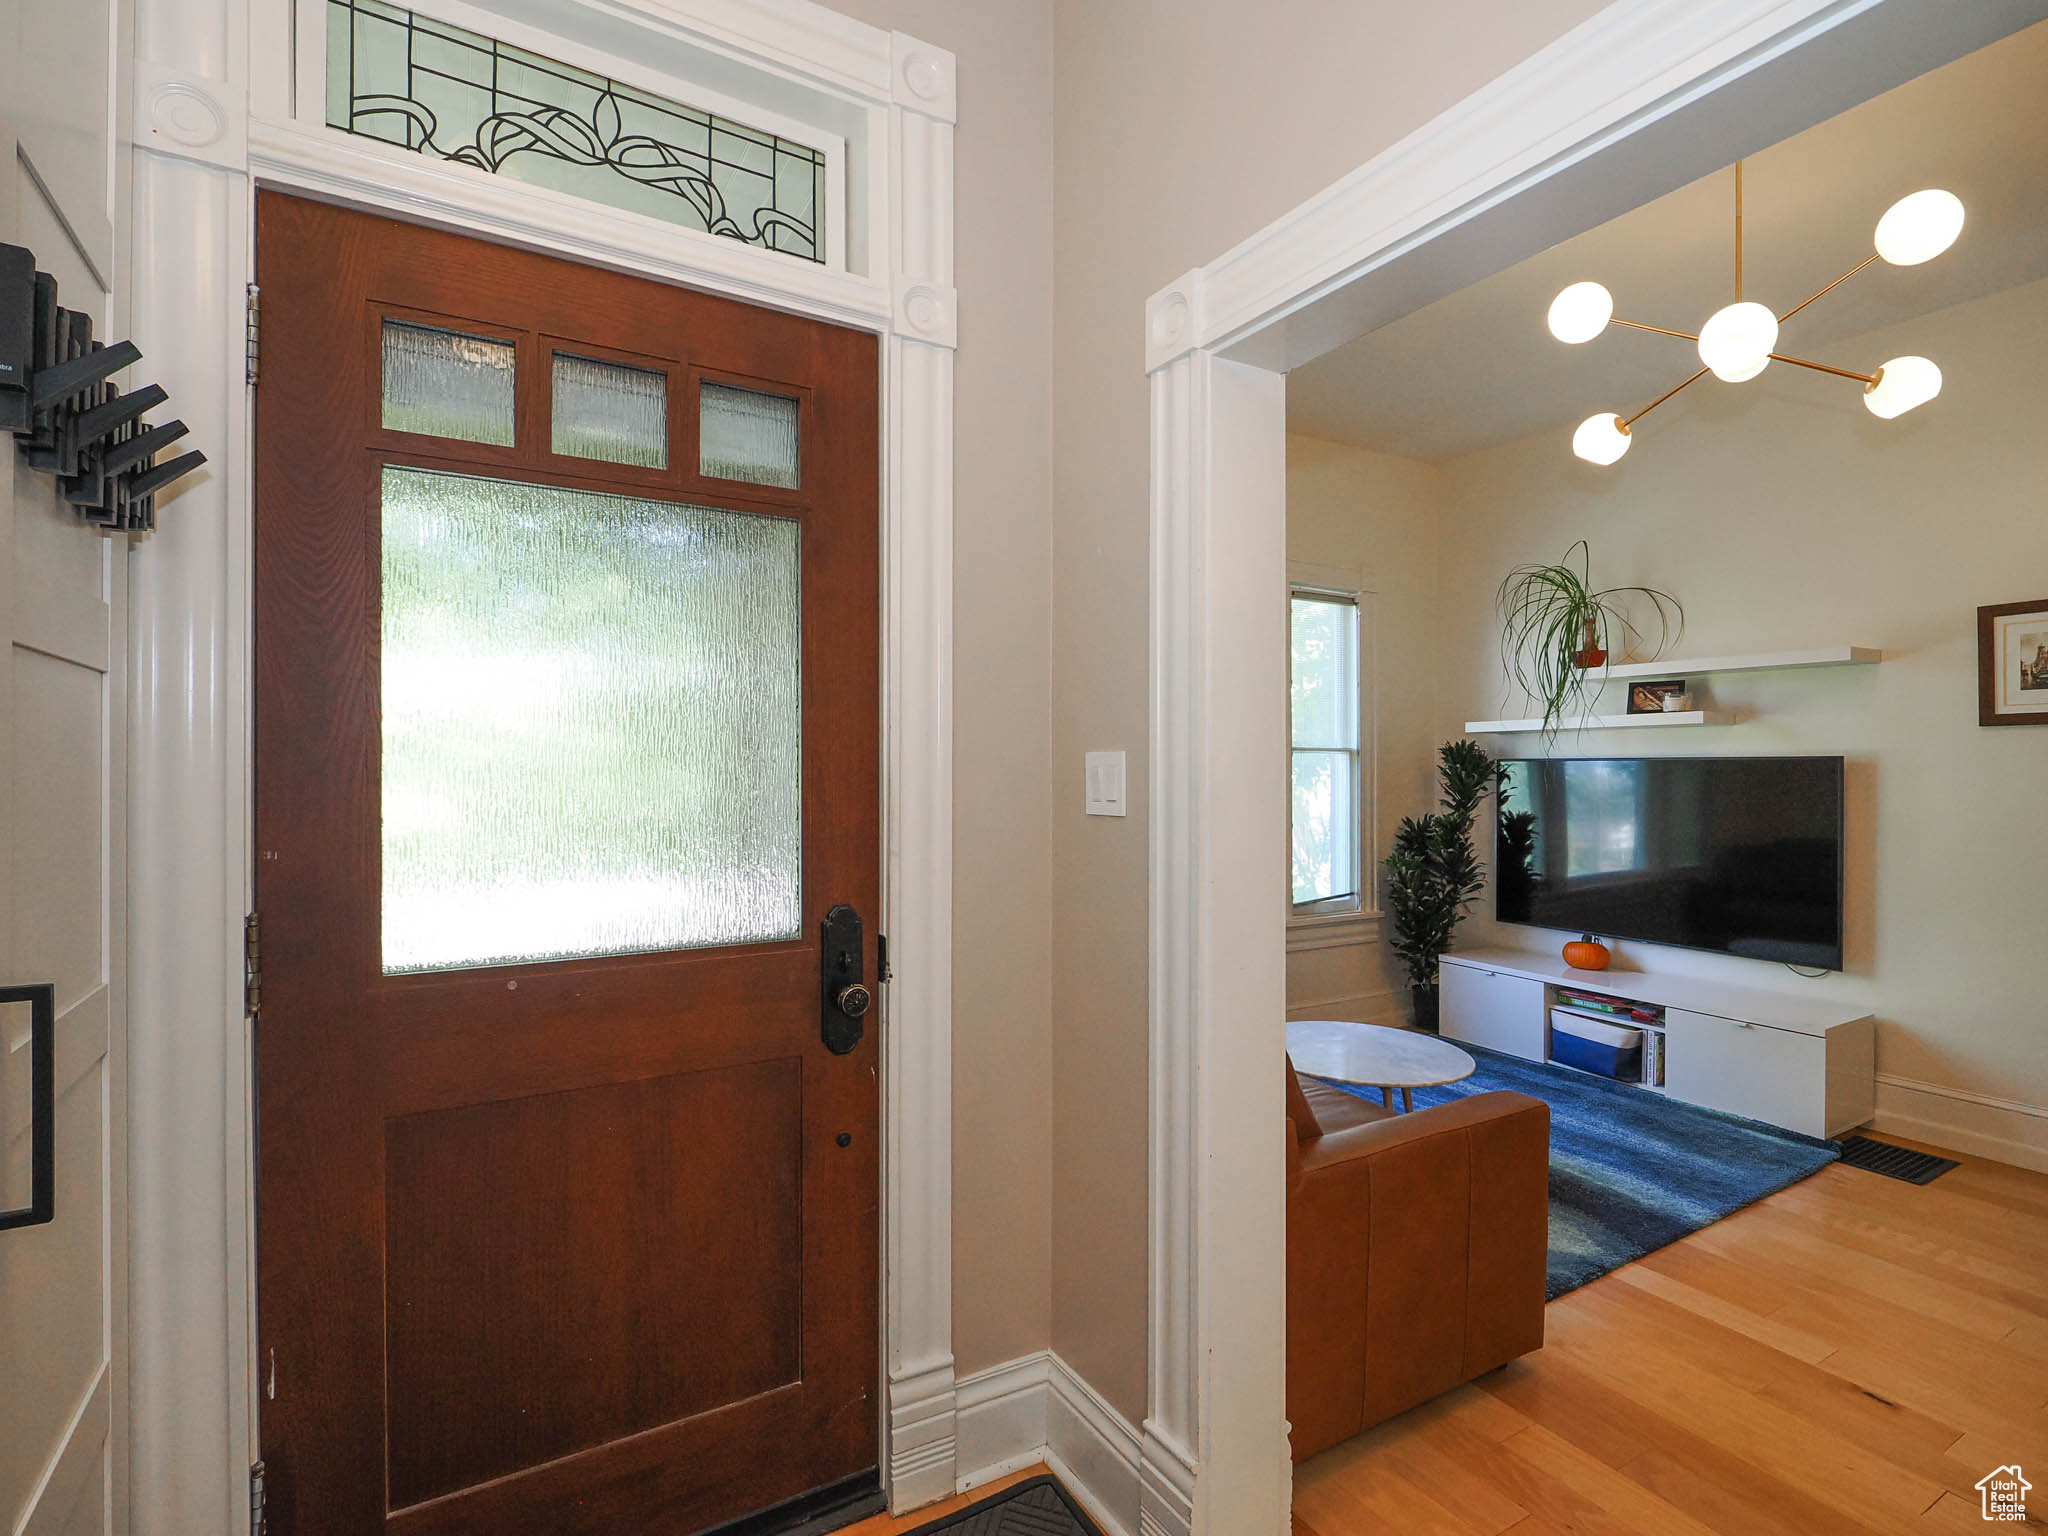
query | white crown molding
(194,1399)
(784,35)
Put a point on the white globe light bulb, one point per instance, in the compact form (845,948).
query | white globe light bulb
(1902,383)
(1736,343)
(1601,439)
(1920,227)
(1581,312)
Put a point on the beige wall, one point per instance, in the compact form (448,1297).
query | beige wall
(1783,515)
(1353,508)
(1182,126)
(1002,961)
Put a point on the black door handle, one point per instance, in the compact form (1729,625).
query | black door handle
(843,994)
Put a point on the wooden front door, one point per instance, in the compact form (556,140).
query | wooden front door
(567,743)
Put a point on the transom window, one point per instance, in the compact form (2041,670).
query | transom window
(454,94)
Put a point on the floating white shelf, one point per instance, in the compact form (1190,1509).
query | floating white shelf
(1760,661)
(1602,722)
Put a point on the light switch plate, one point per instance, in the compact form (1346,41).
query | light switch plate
(1105,783)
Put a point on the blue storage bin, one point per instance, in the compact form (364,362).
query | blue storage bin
(1592,1046)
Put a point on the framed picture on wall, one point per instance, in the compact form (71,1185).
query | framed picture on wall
(2012,663)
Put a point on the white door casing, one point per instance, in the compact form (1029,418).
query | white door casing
(215,117)
(1642,98)
(63,619)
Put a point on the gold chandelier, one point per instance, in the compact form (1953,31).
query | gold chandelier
(1739,341)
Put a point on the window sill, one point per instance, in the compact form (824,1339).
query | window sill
(1337,930)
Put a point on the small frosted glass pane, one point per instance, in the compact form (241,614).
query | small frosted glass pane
(446,384)
(611,412)
(591,724)
(747,435)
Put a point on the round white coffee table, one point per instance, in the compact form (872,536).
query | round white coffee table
(1375,1056)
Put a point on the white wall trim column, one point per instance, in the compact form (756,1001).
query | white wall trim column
(917,1170)
(1642,98)
(214,118)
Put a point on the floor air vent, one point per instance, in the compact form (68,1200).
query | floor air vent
(1893,1162)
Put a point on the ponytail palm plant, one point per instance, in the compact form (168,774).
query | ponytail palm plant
(1557,631)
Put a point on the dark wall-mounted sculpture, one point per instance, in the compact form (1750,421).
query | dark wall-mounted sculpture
(68,417)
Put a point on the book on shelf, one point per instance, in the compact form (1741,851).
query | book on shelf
(1611,1007)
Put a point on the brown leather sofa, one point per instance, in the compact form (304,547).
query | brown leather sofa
(1416,1248)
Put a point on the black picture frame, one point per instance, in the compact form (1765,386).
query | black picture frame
(1647,698)
(42,1000)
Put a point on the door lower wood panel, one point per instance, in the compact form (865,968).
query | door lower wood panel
(558,1268)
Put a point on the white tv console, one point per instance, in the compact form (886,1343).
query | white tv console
(1802,1063)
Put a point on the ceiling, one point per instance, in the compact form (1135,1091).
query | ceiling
(1479,368)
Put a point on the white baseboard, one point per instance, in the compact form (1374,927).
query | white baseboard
(1036,1408)
(923,1434)
(2005,1130)
(1002,1424)
(1382,1007)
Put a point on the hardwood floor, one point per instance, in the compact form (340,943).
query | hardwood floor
(1850,1355)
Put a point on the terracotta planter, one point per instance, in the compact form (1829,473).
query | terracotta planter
(1590,655)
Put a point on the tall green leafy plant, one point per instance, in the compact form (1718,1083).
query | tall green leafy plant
(1557,631)
(1434,873)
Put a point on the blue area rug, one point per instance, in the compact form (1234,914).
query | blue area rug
(1631,1171)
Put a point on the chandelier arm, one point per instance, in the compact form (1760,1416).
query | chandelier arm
(1637,325)
(1639,415)
(1840,373)
(1831,287)
(1738,231)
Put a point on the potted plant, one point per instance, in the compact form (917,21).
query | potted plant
(1557,631)
(1434,873)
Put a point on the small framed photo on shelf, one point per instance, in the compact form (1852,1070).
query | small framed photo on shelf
(2012,663)
(1658,698)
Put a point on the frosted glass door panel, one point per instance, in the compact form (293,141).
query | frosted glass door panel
(446,384)
(611,412)
(592,734)
(747,435)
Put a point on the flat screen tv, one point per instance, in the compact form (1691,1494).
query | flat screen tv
(1742,855)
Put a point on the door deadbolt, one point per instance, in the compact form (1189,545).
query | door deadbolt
(844,994)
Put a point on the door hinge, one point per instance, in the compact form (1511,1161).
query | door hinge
(252,965)
(259,1524)
(882,971)
(252,334)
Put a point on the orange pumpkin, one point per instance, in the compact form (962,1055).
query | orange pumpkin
(1586,954)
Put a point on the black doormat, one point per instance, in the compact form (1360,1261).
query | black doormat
(1894,1162)
(1038,1506)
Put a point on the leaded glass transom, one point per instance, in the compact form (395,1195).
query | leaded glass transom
(454,94)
